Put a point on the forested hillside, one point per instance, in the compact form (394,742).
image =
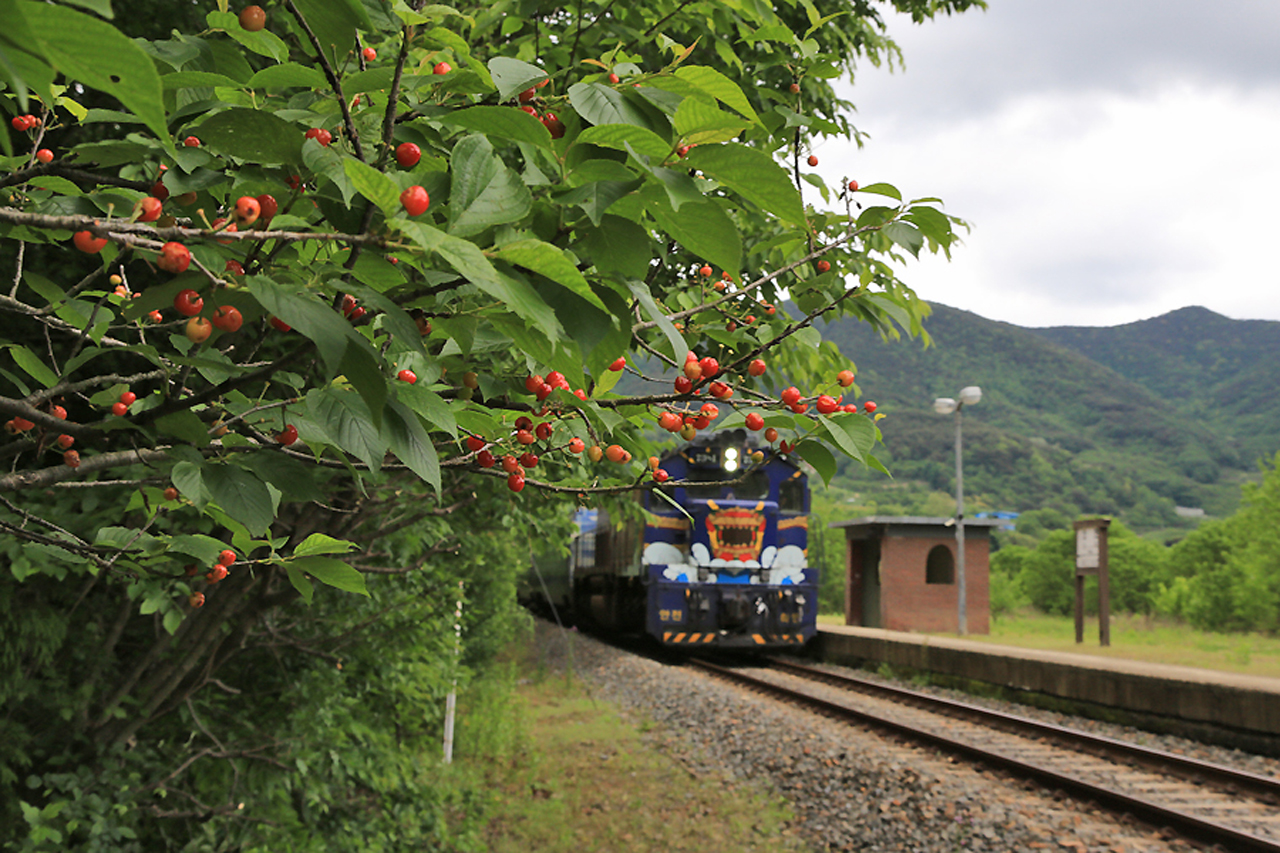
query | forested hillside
(1072,419)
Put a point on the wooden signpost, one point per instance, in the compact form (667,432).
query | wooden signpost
(1091,559)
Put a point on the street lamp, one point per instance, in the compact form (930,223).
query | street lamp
(969,396)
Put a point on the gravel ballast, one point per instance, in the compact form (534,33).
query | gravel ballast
(853,789)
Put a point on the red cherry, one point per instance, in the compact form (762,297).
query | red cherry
(683,384)
(845,378)
(160,191)
(869,407)
(415,200)
(407,375)
(234,267)
(268,206)
(614,78)
(65,441)
(320,135)
(119,410)
(757,367)
(188,303)
(369,54)
(543,392)
(19,123)
(710,411)
(485,459)
(523,436)
(216,574)
(553,125)
(197,598)
(790,395)
(198,330)
(693,370)
(227,557)
(71,459)
(527,95)
(149,209)
(227,318)
(529,459)
(288,435)
(524,422)
(556,380)
(670,421)
(771,435)
(543,431)
(191,142)
(813,159)
(44,155)
(618,364)
(533,382)
(408,154)
(799,408)
(475,443)
(87,243)
(247,210)
(784,447)
(576,445)
(824,265)
(280,324)
(720,390)
(614,453)
(174,258)
(515,482)
(530,110)
(253,18)
(661,476)
(442,68)
(826,404)
(795,88)
(510,465)
(155,316)
(128,398)
(710,367)
(755,422)
(853,186)
(850,408)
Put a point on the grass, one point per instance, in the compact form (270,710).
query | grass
(588,781)
(1134,638)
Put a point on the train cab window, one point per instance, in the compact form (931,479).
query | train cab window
(940,566)
(754,487)
(791,496)
(706,483)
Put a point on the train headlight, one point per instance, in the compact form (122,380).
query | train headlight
(731,459)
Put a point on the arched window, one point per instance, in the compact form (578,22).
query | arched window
(940,567)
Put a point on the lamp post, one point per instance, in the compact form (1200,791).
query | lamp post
(969,395)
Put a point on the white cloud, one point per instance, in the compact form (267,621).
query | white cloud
(1090,205)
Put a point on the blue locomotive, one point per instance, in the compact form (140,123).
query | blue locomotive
(719,559)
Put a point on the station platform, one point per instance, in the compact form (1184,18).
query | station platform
(1188,696)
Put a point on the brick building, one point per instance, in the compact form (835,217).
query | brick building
(901,573)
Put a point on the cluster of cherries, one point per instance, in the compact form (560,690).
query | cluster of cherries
(18,424)
(549,119)
(215,575)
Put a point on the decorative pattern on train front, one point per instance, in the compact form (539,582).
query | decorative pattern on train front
(736,532)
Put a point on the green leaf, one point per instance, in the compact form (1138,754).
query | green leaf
(286,75)
(300,582)
(263,42)
(411,444)
(333,572)
(466,257)
(619,136)
(373,185)
(752,174)
(485,191)
(346,419)
(718,86)
(430,406)
(101,57)
(304,311)
(318,543)
(504,122)
(203,549)
(184,425)
(641,292)
(295,480)
(254,136)
(598,196)
(701,122)
(188,478)
(196,80)
(363,370)
(819,457)
(600,105)
(28,361)
(241,495)
(906,236)
(882,189)
(619,245)
(551,262)
(703,229)
(513,76)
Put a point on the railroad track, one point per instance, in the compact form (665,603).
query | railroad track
(1203,802)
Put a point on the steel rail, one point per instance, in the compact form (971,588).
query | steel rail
(1189,826)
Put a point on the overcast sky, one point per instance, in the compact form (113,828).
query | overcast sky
(1116,160)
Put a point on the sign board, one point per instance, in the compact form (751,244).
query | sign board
(1087,550)
(1091,559)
